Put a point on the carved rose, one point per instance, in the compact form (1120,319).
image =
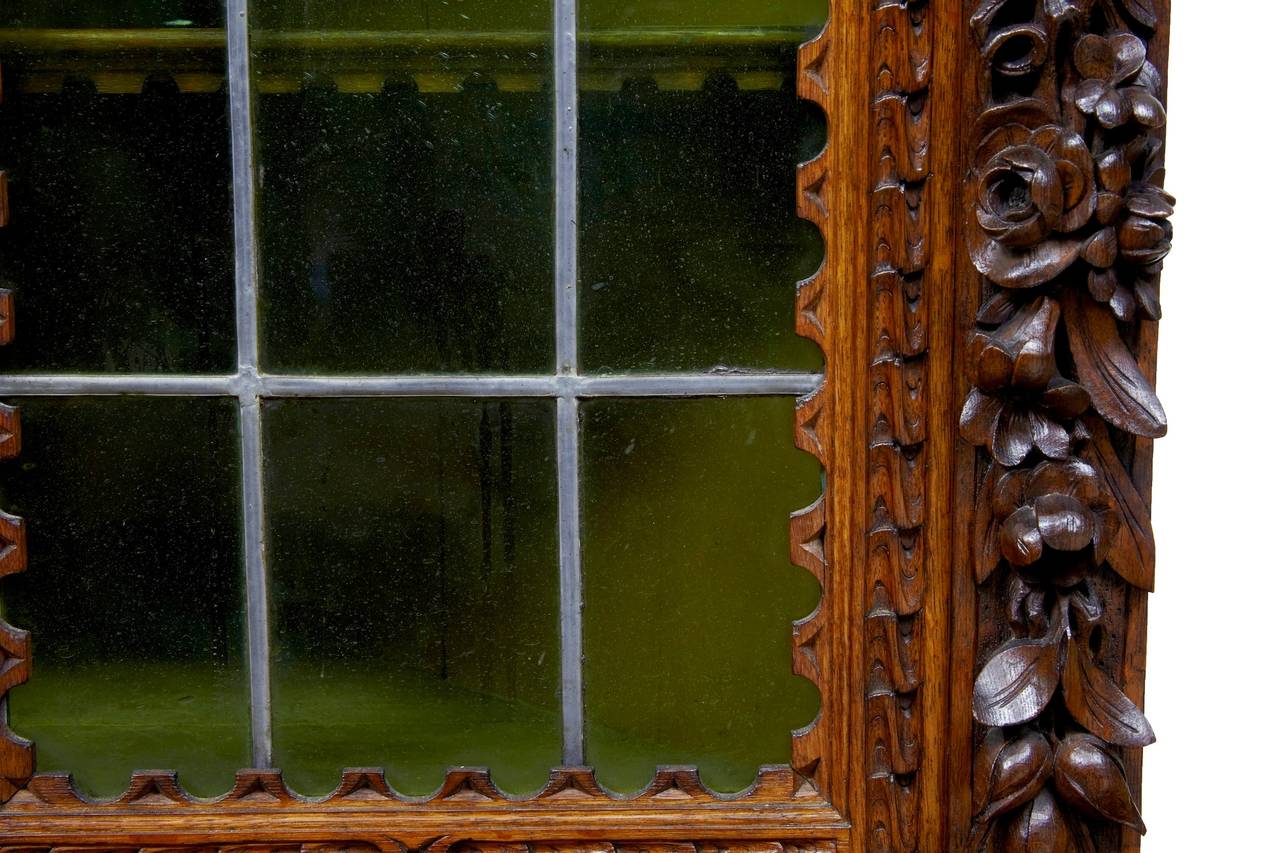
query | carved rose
(1020,401)
(1035,187)
(1118,82)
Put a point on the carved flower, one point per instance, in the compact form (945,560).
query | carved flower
(1137,236)
(1035,188)
(1020,400)
(1118,81)
(1058,506)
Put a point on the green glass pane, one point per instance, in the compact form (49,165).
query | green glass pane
(691,132)
(414,590)
(689,593)
(133,594)
(406,210)
(115,142)
(113,13)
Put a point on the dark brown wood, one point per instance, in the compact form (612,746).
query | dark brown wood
(1067,226)
(989,197)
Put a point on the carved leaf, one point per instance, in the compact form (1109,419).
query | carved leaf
(1098,704)
(1090,779)
(1018,682)
(1108,371)
(1026,268)
(986,541)
(1012,772)
(1133,550)
(1143,11)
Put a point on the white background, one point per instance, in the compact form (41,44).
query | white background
(1214,664)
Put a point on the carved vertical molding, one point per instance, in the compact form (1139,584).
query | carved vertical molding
(896,573)
(17,756)
(1066,223)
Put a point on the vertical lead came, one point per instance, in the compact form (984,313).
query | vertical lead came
(566,140)
(247,383)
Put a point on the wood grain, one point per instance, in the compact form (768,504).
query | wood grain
(1067,225)
(990,201)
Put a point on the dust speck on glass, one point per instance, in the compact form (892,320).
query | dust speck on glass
(403,388)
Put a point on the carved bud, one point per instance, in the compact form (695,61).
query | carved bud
(1042,827)
(1011,772)
(1090,780)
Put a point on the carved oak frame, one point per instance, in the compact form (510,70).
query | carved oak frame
(990,198)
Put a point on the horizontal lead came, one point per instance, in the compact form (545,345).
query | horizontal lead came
(632,385)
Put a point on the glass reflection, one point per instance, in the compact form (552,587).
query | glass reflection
(690,137)
(133,594)
(407,195)
(119,247)
(689,593)
(414,589)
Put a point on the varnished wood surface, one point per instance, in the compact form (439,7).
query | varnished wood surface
(934,522)
(1066,226)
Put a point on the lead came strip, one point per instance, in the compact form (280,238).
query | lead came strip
(567,462)
(246,254)
(747,384)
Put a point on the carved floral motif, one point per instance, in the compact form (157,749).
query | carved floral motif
(1069,226)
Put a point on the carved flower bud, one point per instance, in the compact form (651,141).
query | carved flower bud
(1009,773)
(1042,827)
(1090,780)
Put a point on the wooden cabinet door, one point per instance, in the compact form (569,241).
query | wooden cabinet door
(990,200)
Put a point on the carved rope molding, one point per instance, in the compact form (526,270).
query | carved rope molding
(1068,224)
(896,575)
(17,756)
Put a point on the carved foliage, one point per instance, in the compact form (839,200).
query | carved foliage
(1069,226)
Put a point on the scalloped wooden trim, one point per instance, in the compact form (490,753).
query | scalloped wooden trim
(362,786)
(812,643)
(17,755)
(467,807)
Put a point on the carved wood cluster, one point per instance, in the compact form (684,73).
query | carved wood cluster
(896,573)
(17,756)
(1068,224)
